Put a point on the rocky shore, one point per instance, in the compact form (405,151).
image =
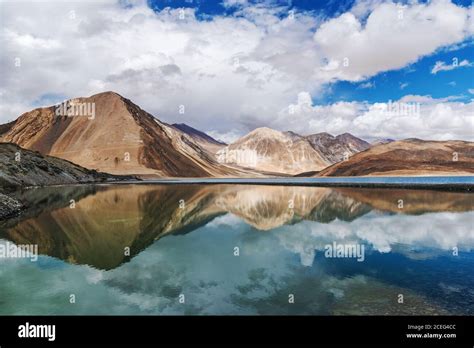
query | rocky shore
(24,168)
(9,207)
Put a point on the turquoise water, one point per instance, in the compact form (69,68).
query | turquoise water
(399,180)
(240,249)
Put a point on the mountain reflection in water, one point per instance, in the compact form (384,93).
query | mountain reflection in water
(264,222)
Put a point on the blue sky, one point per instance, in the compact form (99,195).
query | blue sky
(415,79)
(329,8)
(215,7)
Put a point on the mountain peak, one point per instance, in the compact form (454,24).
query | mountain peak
(111,134)
(107,94)
(265,132)
(346,136)
(197,134)
(337,148)
(273,151)
(320,135)
(293,136)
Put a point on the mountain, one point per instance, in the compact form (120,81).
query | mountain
(109,133)
(409,157)
(289,152)
(4,128)
(207,142)
(335,149)
(270,150)
(379,141)
(114,136)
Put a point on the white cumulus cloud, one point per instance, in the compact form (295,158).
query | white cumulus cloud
(392,37)
(442,66)
(434,119)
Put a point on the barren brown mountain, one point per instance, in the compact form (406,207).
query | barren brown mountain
(270,150)
(337,148)
(290,153)
(409,157)
(121,138)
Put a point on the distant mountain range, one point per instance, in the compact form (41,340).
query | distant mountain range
(409,157)
(291,153)
(121,138)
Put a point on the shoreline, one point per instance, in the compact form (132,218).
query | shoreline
(449,183)
(11,207)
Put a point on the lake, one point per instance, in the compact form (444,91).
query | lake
(240,249)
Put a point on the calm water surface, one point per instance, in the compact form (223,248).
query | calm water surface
(183,239)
